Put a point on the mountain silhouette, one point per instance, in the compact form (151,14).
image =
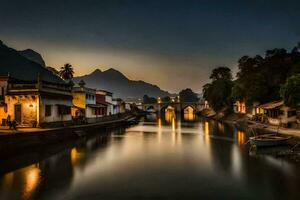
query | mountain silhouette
(116,82)
(33,56)
(14,64)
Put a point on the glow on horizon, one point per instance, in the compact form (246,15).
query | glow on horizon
(136,65)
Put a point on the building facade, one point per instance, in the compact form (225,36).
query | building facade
(276,113)
(84,104)
(35,103)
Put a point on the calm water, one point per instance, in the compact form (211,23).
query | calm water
(165,158)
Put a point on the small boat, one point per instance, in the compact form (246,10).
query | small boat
(269,140)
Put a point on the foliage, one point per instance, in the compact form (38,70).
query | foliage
(150,100)
(66,72)
(166,99)
(218,92)
(221,73)
(259,78)
(290,91)
(188,95)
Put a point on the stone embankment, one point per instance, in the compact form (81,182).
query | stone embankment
(13,141)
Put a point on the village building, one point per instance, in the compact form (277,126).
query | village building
(100,100)
(239,107)
(110,103)
(276,113)
(35,103)
(203,104)
(84,104)
(3,105)
(119,106)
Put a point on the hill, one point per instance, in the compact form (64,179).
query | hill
(18,66)
(116,82)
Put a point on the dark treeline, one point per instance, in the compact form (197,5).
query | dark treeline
(186,95)
(274,76)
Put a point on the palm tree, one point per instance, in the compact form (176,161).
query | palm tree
(66,72)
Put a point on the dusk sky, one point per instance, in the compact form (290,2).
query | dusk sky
(174,44)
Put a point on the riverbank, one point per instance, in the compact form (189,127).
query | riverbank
(291,152)
(11,142)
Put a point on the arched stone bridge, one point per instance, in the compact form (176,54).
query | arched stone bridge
(178,107)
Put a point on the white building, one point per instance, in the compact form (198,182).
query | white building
(35,103)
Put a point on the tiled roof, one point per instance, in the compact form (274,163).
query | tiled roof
(271,105)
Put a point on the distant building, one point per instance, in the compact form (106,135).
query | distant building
(239,107)
(277,113)
(35,103)
(84,103)
(100,101)
(119,106)
(108,100)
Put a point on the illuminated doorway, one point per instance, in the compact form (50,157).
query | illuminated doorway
(188,114)
(169,114)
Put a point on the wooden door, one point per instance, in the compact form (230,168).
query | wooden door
(18,113)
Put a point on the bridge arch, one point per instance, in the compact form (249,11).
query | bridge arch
(168,107)
(189,107)
(188,113)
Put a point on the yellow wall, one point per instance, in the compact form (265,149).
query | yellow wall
(79,99)
(3,114)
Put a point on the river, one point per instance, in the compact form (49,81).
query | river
(169,157)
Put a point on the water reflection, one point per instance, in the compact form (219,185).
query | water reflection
(241,137)
(150,161)
(170,114)
(26,180)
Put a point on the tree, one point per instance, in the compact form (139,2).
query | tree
(218,92)
(290,91)
(188,95)
(166,99)
(259,78)
(66,72)
(150,100)
(221,73)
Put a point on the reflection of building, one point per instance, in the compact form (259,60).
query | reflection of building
(35,103)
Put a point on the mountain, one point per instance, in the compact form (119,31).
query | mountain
(19,67)
(116,82)
(33,56)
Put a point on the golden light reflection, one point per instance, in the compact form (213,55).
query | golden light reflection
(173,124)
(159,129)
(169,114)
(74,156)
(159,122)
(206,132)
(8,179)
(188,114)
(32,179)
(25,180)
(221,127)
(241,138)
(206,128)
